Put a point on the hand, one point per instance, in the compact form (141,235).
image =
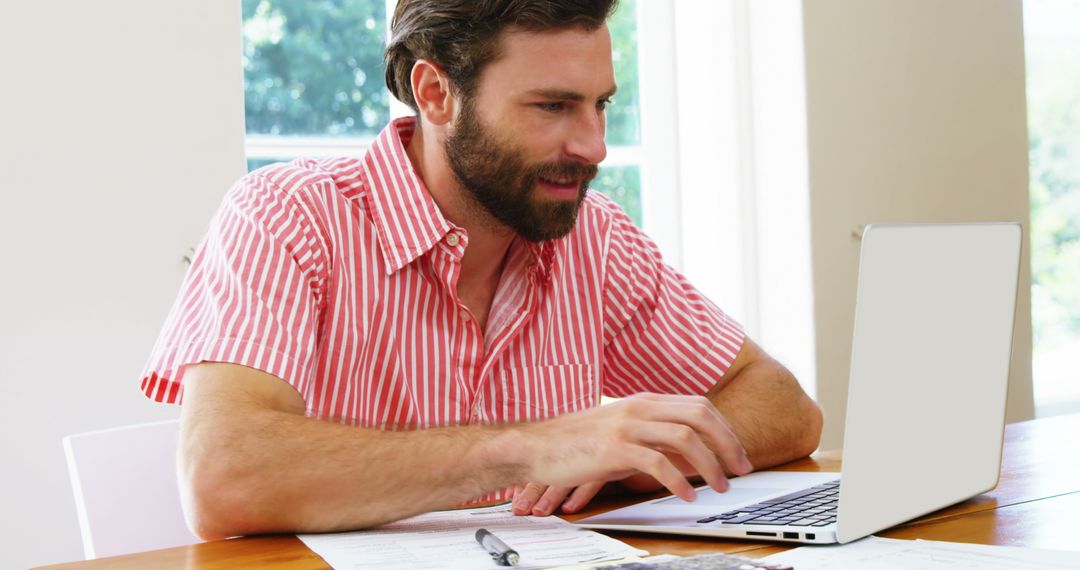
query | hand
(540,500)
(664,437)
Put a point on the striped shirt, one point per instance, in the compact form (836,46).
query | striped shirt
(339,277)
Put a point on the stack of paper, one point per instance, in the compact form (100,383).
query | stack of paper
(446,541)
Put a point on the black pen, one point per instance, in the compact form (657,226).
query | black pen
(502,554)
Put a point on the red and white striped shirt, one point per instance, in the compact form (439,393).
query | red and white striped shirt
(339,277)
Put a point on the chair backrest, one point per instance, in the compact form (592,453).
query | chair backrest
(126,491)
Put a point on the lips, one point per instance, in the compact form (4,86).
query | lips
(556,182)
(562,190)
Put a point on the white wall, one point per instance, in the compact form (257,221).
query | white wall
(916,112)
(121,126)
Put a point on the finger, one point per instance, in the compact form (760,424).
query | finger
(581,496)
(660,467)
(684,466)
(703,415)
(684,441)
(550,500)
(698,413)
(644,483)
(528,496)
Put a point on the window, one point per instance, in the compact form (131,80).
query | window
(1052,42)
(314,86)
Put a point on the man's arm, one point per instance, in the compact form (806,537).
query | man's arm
(774,419)
(250,462)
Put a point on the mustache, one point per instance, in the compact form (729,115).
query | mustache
(566,170)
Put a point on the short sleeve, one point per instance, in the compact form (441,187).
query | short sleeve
(660,333)
(251,296)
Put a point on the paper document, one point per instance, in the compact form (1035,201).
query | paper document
(446,540)
(875,553)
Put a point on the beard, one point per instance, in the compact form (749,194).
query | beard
(501,184)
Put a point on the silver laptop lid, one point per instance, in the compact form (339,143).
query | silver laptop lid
(929,370)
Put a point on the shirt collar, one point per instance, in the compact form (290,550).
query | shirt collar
(407,219)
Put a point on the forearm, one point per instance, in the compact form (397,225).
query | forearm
(251,463)
(774,419)
(281,472)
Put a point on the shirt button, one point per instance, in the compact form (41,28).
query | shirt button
(464,315)
(452,239)
(476,409)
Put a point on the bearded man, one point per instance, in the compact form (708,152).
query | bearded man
(362,340)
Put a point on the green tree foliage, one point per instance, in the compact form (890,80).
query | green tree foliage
(623,183)
(624,128)
(315,68)
(1054,131)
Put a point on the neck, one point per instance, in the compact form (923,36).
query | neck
(489,240)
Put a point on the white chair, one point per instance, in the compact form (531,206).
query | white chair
(126,491)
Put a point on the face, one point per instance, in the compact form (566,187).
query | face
(528,142)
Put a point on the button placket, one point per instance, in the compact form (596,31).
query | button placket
(477,409)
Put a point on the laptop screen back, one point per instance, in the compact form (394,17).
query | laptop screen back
(929,370)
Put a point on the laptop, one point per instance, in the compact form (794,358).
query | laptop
(926,400)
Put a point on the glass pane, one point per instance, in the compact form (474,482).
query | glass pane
(622,184)
(315,67)
(623,126)
(257,163)
(1052,38)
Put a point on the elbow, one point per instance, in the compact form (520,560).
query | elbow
(810,433)
(216,494)
(207,507)
(210,499)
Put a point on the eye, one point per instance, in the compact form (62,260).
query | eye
(551,107)
(603,104)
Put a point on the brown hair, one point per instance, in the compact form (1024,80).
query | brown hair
(461,36)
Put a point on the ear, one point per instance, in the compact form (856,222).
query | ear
(431,90)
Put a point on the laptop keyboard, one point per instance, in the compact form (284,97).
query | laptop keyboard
(811,507)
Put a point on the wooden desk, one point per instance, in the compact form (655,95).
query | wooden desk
(1036,503)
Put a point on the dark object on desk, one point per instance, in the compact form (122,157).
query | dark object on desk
(502,554)
(713,561)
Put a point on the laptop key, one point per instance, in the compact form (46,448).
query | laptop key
(747,509)
(740,520)
(790,496)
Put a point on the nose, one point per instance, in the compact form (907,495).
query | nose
(587,141)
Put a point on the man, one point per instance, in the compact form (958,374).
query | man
(362,340)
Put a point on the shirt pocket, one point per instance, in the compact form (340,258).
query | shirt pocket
(540,392)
